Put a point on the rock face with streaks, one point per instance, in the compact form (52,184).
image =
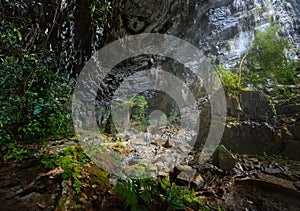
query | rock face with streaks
(224,30)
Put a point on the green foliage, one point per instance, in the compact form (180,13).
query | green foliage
(137,106)
(156,194)
(229,80)
(102,179)
(97,149)
(13,152)
(172,116)
(120,145)
(140,102)
(99,11)
(69,159)
(267,52)
(128,191)
(34,97)
(169,119)
(267,63)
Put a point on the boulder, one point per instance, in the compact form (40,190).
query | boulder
(250,137)
(256,105)
(183,167)
(187,176)
(198,182)
(183,148)
(223,159)
(291,149)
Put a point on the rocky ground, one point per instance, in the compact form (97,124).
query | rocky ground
(227,180)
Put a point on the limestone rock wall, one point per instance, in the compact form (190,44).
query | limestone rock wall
(223,29)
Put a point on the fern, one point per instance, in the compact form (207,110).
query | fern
(173,201)
(128,191)
(163,194)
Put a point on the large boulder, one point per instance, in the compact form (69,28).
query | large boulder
(251,105)
(255,105)
(223,159)
(250,137)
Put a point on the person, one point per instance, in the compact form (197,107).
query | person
(148,137)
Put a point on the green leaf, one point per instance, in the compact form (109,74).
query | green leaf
(18,33)
(37,110)
(174,202)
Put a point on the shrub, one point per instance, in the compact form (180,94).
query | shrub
(267,62)
(229,80)
(137,106)
(34,97)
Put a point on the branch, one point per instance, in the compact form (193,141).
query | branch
(240,68)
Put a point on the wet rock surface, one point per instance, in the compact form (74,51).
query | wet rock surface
(254,185)
(223,29)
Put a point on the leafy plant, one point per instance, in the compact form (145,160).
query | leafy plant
(156,194)
(13,153)
(99,11)
(267,62)
(137,106)
(267,67)
(128,190)
(120,145)
(34,97)
(172,117)
(229,80)
(69,159)
(102,179)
